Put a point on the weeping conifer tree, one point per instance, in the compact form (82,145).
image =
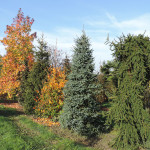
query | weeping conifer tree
(81,111)
(133,70)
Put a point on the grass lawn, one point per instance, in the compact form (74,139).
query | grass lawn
(18,132)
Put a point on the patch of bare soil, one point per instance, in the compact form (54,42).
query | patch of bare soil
(11,104)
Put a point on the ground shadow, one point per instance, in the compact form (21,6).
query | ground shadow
(8,112)
(8,101)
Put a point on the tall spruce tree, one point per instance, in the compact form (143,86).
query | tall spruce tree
(81,111)
(33,82)
(133,70)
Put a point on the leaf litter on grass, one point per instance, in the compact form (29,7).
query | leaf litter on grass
(65,138)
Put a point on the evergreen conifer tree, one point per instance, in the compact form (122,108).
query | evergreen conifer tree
(34,81)
(81,110)
(39,72)
(128,113)
(23,83)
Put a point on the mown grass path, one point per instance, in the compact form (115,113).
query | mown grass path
(18,132)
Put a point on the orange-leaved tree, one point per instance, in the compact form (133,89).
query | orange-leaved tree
(50,101)
(18,43)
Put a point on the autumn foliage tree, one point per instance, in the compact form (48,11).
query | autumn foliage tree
(50,101)
(18,42)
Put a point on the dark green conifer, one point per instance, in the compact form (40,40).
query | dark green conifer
(33,82)
(24,83)
(128,113)
(81,111)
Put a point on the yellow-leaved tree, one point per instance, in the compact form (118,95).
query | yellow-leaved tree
(50,101)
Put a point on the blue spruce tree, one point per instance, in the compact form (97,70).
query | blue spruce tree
(81,112)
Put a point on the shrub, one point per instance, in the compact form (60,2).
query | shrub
(50,101)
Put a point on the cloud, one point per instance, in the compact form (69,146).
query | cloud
(134,26)
(62,37)
(137,25)
(97,31)
(101,53)
(2,50)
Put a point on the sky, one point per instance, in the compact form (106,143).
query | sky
(64,20)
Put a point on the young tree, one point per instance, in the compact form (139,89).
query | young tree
(33,81)
(19,46)
(80,111)
(51,99)
(23,84)
(131,52)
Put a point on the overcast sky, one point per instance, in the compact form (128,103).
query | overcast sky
(64,20)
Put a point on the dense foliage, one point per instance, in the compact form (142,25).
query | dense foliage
(81,110)
(33,81)
(19,46)
(133,71)
(50,101)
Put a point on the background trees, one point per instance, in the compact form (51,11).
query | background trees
(66,65)
(108,78)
